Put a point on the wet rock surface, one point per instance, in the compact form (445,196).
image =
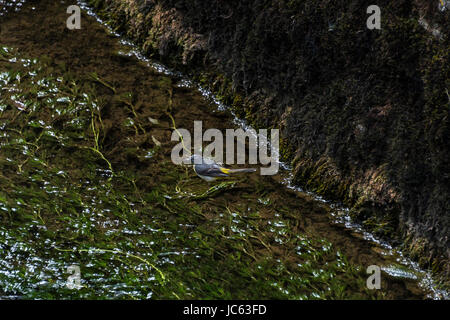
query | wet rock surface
(83,182)
(364,113)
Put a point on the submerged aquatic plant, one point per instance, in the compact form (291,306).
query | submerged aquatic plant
(136,225)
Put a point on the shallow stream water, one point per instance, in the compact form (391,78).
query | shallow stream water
(86,180)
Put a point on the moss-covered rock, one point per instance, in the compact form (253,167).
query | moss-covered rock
(364,113)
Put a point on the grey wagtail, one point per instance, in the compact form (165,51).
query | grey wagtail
(209,170)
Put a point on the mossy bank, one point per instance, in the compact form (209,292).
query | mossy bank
(364,113)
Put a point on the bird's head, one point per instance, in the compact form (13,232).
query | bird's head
(193,159)
(196,159)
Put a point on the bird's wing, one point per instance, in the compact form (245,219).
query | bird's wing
(211,170)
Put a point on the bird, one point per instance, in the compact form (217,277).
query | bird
(209,170)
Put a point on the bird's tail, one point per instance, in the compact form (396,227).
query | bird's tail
(240,170)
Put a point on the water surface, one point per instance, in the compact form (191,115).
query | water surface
(86,179)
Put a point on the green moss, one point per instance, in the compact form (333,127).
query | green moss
(360,98)
(148,231)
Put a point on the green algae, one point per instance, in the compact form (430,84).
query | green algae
(319,58)
(63,203)
(83,182)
